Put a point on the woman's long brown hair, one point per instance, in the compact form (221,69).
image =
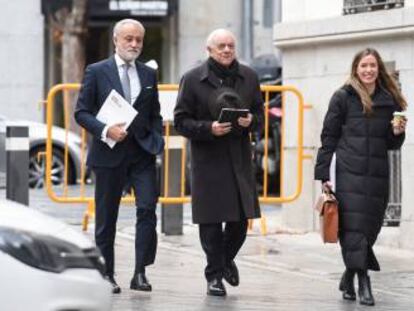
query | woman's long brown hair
(384,80)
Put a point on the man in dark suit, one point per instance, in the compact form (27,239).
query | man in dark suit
(132,159)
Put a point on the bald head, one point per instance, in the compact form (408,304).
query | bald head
(221,46)
(217,34)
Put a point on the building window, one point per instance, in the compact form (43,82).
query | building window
(361,6)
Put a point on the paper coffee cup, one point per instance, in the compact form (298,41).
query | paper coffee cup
(398,117)
(400,114)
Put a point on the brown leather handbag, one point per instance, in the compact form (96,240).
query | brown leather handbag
(327,207)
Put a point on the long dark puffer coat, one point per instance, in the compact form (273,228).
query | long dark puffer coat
(361,143)
(223,183)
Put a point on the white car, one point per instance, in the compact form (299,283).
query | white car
(37,141)
(46,265)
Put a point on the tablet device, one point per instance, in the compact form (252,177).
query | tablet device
(232,114)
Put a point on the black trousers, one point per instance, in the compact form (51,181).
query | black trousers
(110,183)
(221,245)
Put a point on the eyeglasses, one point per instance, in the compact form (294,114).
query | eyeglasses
(222,46)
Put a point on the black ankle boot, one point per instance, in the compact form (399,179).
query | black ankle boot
(216,287)
(347,285)
(364,290)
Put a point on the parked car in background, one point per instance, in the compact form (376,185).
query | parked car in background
(37,164)
(47,265)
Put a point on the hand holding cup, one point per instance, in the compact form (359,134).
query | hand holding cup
(399,122)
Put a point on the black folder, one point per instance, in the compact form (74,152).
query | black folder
(232,115)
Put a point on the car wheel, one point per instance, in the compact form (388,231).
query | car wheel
(37,168)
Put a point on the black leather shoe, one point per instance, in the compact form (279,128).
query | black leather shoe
(115,287)
(347,285)
(140,282)
(216,288)
(231,274)
(364,290)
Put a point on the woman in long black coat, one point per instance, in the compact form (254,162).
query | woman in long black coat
(359,128)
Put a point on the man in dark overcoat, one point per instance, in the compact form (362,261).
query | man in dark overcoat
(132,159)
(222,184)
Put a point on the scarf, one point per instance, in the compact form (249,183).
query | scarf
(227,74)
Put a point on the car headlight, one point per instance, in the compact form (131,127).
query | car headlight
(46,252)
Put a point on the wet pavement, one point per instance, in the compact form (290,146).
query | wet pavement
(280,271)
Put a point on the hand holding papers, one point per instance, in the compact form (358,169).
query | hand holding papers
(116,110)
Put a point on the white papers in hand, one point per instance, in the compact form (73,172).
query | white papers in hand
(115,110)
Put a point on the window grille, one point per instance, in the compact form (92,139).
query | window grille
(393,211)
(361,6)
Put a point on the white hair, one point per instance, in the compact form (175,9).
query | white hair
(211,39)
(118,25)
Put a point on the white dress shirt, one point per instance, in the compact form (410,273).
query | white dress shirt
(134,81)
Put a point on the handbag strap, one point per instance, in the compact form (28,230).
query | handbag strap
(330,191)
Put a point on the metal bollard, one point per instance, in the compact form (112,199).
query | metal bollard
(17,164)
(172,214)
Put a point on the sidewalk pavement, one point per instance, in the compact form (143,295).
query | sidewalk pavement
(279,271)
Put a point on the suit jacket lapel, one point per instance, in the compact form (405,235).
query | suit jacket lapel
(111,72)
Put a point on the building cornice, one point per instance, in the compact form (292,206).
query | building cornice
(379,24)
